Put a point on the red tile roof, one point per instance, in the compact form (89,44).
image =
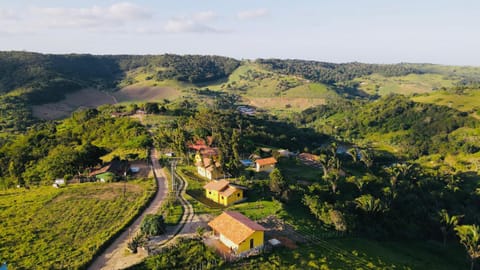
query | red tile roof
(266,161)
(235,226)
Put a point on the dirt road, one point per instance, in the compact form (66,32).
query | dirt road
(116,255)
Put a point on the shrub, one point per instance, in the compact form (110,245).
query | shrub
(152,225)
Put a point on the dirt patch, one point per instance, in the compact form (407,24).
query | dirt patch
(288,243)
(85,98)
(143,93)
(285,103)
(142,166)
(278,229)
(130,187)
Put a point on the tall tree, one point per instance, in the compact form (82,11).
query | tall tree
(470,238)
(448,222)
(277,182)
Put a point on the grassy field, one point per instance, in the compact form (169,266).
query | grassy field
(409,84)
(358,253)
(272,91)
(468,101)
(49,228)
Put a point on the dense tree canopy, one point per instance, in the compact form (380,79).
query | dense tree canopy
(331,73)
(52,151)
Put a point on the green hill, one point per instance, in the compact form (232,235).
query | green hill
(281,86)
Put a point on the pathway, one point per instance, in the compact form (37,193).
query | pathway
(187,225)
(116,255)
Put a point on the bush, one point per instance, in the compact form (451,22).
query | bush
(153,225)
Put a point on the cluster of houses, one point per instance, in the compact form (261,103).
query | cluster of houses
(206,160)
(110,172)
(234,230)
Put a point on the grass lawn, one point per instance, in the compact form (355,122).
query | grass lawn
(172,212)
(47,228)
(257,205)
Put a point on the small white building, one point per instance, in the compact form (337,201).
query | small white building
(60,181)
(265,164)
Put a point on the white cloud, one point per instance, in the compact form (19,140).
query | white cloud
(204,16)
(114,15)
(184,25)
(252,14)
(194,23)
(7,14)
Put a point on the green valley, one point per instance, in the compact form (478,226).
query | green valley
(351,165)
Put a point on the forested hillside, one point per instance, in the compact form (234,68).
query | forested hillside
(63,150)
(31,78)
(331,73)
(415,129)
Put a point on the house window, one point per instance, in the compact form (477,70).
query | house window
(251,243)
(210,192)
(222,197)
(238,194)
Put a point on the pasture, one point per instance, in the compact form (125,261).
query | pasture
(49,228)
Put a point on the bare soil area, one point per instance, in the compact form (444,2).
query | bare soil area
(144,93)
(85,98)
(278,229)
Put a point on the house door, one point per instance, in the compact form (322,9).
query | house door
(251,243)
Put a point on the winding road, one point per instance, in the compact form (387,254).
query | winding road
(116,255)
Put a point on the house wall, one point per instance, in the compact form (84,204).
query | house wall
(212,195)
(265,168)
(257,237)
(201,171)
(236,196)
(228,243)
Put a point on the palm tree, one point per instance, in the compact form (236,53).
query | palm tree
(357,181)
(353,152)
(370,204)
(448,222)
(331,167)
(366,157)
(470,237)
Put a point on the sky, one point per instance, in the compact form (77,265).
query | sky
(370,31)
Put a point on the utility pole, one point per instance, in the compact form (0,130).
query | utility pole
(173,164)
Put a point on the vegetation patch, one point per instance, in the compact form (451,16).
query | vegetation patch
(64,228)
(184,254)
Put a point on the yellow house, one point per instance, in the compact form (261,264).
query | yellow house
(237,232)
(223,192)
(207,167)
(265,164)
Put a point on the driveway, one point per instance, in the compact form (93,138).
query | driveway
(116,255)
